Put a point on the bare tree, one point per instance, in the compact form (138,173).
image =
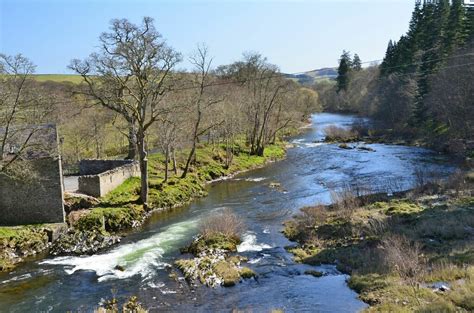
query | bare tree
(202,99)
(130,75)
(169,129)
(264,85)
(23,107)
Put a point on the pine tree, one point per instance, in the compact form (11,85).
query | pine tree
(356,63)
(413,37)
(458,26)
(345,65)
(430,32)
(388,61)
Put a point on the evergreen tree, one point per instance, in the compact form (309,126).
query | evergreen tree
(457,28)
(388,61)
(345,65)
(430,32)
(356,63)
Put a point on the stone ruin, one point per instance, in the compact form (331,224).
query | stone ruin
(99,177)
(37,197)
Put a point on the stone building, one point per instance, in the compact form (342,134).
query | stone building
(35,196)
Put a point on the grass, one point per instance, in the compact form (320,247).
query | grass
(71,78)
(394,250)
(111,219)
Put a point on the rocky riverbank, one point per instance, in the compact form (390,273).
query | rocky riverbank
(22,242)
(364,133)
(413,252)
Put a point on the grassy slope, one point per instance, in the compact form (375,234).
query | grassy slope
(59,78)
(443,232)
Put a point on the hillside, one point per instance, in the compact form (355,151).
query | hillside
(58,78)
(309,78)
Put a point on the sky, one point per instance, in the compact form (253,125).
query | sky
(296,35)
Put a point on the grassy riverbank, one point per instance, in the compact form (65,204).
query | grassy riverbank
(94,222)
(119,210)
(414,253)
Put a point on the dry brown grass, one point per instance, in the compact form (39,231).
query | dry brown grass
(345,200)
(402,256)
(458,182)
(225,222)
(405,259)
(311,216)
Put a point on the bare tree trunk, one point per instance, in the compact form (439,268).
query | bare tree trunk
(167,161)
(192,154)
(132,143)
(175,168)
(143,160)
(190,158)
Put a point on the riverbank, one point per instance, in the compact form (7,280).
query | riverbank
(23,242)
(376,133)
(411,252)
(95,224)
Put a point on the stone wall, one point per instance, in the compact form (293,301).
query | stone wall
(101,183)
(36,200)
(94,167)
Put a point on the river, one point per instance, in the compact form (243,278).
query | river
(61,284)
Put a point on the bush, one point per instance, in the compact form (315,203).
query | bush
(402,257)
(225,223)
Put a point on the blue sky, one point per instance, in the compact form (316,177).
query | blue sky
(297,35)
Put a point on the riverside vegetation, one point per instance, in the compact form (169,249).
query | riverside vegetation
(409,252)
(98,223)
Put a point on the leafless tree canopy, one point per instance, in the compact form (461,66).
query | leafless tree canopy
(130,74)
(24,106)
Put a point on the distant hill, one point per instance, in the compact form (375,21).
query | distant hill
(311,77)
(59,78)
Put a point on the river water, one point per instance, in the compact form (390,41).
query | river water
(79,283)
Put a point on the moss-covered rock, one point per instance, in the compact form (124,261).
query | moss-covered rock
(314,273)
(228,272)
(213,264)
(19,242)
(215,269)
(247,273)
(216,241)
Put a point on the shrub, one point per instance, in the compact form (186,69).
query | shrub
(402,257)
(345,200)
(226,223)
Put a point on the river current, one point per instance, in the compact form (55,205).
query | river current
(310,169)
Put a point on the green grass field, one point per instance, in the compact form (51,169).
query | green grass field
(75,79)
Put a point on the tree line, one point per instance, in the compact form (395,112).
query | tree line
(133,100)
(423,87)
